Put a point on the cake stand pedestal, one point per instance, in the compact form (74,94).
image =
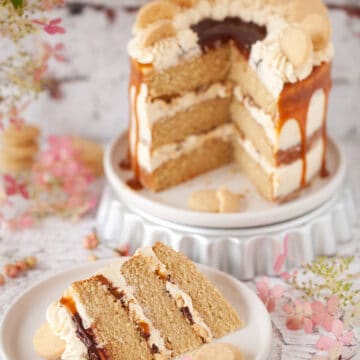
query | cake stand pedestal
(126,217)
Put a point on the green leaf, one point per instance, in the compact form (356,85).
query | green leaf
(18,4)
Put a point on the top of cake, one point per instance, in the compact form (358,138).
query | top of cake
(283,39)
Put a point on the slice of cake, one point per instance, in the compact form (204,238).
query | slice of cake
(215,81)
(156,305)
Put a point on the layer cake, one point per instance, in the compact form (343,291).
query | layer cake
(156,305)
(215,81)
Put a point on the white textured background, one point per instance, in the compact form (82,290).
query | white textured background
(94,103)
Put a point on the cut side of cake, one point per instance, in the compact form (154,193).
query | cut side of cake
(230,80)
(156,305)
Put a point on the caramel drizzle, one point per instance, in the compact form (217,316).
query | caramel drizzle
(294,103)
(86,336)
(136,79)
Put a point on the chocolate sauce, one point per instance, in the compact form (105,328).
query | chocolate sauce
(154,349)
(243,34)
(186,312)
(125,164)
(86,336)
(134,184)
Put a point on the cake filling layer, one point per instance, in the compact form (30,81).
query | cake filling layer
(183,301)
(112,277)
(69,320)
(63,326)
(151,160)
(150,111)
(289,135)
(285,179)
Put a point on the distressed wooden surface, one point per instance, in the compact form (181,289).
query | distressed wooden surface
(93,102)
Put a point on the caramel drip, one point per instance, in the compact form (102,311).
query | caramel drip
(294,103)
(86,336)
(136,79)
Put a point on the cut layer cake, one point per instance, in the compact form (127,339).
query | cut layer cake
(156,305)
(215,81)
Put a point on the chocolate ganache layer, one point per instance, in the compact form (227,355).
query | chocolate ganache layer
(243,34)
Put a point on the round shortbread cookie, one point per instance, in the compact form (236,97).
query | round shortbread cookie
(218,352)
(9,164)
(91,153)
(155,11)
(18,136)
(25,151)
(47,345)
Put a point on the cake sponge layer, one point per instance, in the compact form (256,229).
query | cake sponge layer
(194,121)
(158,305)
(208,68)
(211,154)
(207,300)
(244,76)
(113,330)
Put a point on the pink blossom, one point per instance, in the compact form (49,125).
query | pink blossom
(22,221)
(13,187)
(11,271)
(324,315)
(338,340)
(52,27)
(269,295)
(55,51)
(299,316)
(91,241)
(123,250)
(280,260)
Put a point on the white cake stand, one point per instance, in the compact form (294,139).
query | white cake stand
(244,244)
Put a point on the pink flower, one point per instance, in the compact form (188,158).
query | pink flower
(299,316)
(280,260)
(91,241)
(269,295)
(11,271)
(13,187)
(22,221)
(123,250)
(324,315)
(50,51)
(52,27)
(336,342)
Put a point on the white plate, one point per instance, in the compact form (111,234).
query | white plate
(171,205)
(27,313)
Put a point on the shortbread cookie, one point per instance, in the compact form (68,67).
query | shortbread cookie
(299,54)
(91,153)
(25,134)
(47,345)
(204,200)
(26,151)
(228,201)
(218,352)
(9,164)
(153,12)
